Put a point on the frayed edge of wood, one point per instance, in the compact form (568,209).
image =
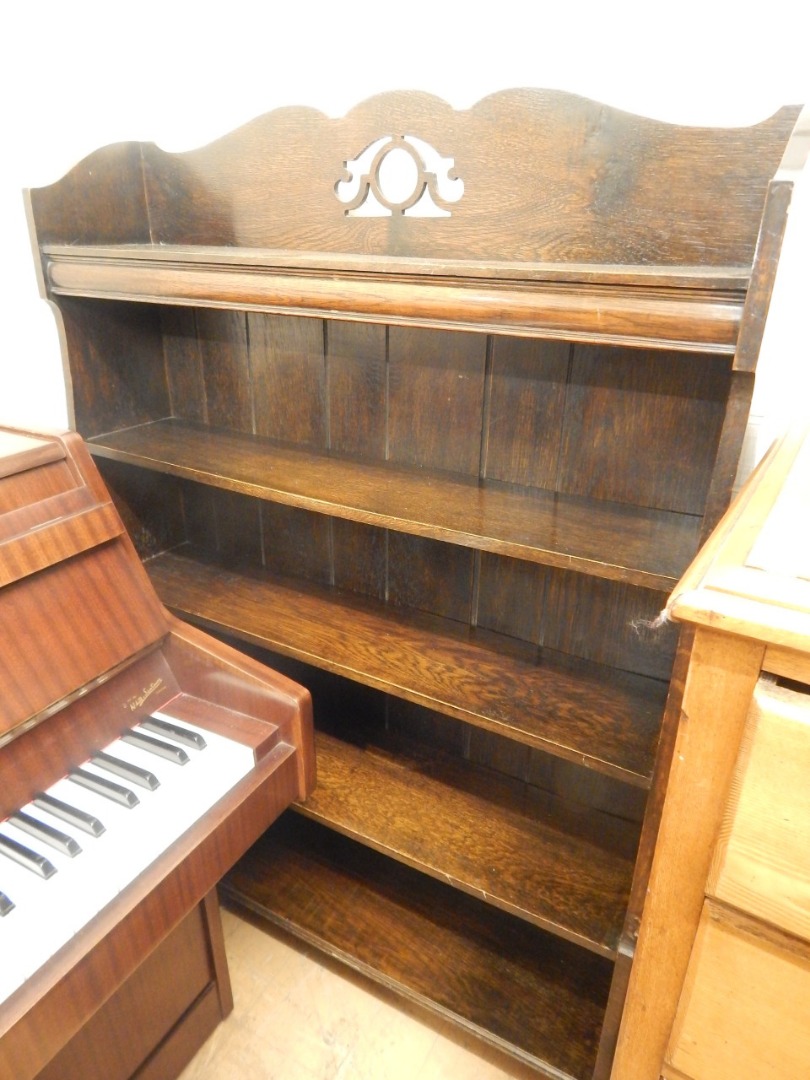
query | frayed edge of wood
(661,619)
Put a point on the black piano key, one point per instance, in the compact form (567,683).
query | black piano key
(88,823)
(6,905)
(174,731)
(124,796)
(23,855)
(46,833)
(134,773)
(156,746)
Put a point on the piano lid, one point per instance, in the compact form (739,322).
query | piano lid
(19,452)
(75,602)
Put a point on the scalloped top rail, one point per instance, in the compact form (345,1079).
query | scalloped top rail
(524,176)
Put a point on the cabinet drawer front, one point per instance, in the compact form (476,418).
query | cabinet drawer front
(761,863)
(745,1004)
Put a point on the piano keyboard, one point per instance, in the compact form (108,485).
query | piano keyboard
(99,838)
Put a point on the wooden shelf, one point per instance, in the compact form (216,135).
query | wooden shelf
(610,540)
(677,307)
(567,872)
(584,712)
(534,995)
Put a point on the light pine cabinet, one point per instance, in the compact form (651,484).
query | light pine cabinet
(721,983)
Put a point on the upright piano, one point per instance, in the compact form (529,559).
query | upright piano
(139,758)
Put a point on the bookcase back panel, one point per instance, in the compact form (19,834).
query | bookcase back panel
(436,386)
(608,622)
(603,621)
(604,422)
(357,388)
(629,415)
(526,410)
(359,558)
(184,370)
(224,359)
(288,377)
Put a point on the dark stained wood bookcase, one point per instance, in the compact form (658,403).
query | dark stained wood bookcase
(432,409)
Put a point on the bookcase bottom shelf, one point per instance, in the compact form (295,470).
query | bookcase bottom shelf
(539,998)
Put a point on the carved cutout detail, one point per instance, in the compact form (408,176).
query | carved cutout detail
(399,174)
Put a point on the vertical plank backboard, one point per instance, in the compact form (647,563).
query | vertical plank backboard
(356,373)
(436,390)
(223,347)
(627,415)
(429,575)
(184,370)
(288,377)
(525,416)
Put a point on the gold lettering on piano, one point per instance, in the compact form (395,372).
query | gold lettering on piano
(137,700)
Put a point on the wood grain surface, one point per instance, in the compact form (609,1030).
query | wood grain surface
(509,982)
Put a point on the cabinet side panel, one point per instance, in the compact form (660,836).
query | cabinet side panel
(643,427)
(436,398)
(150,505)
(116,363)
(289,383)
(525,416)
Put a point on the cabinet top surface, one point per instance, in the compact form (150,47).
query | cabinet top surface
(752,578)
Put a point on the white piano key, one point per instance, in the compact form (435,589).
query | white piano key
(46,918)
(25,936)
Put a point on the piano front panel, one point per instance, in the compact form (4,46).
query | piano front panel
(87,651)
(176,977)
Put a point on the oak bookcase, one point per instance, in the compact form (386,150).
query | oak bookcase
(432,409)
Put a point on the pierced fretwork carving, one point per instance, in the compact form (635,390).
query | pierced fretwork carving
(399,174)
